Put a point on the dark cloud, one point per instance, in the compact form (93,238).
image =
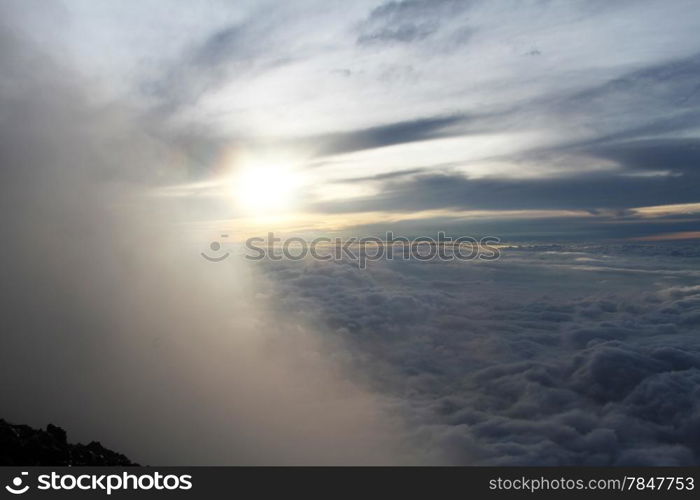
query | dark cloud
(634,113)
(640,104)
(591,191)
(390,134)
(679,156)
(403,33)
(648,102)
(593,227)
(671,84)
(407,21)
(227,44)
(382,177)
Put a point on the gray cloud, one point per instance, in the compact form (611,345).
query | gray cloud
(596,226)
(583,192)
(407,21)
(391,134)
(633,113)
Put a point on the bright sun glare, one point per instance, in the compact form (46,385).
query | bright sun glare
(265,188)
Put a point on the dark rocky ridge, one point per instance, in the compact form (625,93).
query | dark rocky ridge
(23,445)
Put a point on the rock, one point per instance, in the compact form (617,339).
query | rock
(21,445)
(58,434)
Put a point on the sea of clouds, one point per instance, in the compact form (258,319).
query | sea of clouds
(552,355)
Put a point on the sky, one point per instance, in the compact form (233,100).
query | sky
(134,133)
(574,114)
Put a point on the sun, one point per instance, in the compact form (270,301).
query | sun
(265,188)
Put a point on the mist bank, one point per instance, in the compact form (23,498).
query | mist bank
(113,324)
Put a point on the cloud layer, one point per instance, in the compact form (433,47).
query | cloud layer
(550,356)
